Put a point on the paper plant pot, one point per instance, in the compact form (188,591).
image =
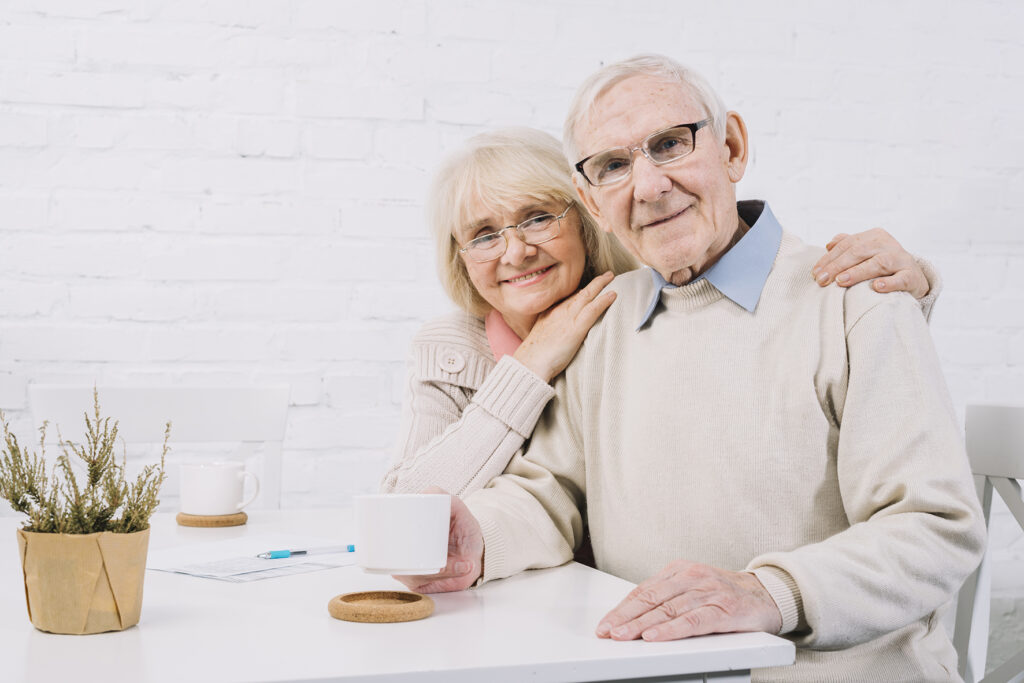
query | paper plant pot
(83,583)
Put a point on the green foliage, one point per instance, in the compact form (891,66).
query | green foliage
(62,504)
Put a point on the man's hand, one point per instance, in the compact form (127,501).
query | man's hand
(465,554)
(688,599)
(866,255)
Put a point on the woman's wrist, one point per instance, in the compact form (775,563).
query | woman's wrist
(527,356)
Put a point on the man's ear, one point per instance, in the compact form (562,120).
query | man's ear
(583,190)
(736,145)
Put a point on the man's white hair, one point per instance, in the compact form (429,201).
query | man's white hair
(655,66)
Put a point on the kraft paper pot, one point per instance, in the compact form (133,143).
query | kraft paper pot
(83,583)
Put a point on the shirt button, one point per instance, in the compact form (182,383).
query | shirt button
(451,361)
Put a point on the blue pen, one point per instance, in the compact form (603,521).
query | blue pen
(284,554)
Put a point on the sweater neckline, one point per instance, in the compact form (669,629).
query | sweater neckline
(690,296)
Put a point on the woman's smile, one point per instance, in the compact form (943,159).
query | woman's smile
(529,278)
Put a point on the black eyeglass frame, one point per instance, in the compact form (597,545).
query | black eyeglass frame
(642,148)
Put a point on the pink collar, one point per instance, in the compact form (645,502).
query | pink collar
(503,340)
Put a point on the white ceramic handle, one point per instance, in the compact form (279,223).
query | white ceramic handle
(256,485)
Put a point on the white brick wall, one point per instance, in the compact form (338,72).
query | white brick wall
(197,191)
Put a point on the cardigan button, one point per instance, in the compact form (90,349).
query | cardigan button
(451,361)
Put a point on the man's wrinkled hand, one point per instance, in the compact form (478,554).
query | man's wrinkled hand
(688,599)
(465,554)
(872,254)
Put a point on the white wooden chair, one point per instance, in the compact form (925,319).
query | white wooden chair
(245,416)
(995,447)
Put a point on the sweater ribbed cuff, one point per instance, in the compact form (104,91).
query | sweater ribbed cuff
(514,395)
(784,591)
(495,555)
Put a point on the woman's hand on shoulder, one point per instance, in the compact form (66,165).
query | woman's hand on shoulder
(559,331)
(872,254)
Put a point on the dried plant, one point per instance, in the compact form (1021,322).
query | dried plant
(62,504)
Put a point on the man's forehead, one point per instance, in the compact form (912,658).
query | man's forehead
(634,108)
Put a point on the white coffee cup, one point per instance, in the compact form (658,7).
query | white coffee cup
(402,533)
(215,488)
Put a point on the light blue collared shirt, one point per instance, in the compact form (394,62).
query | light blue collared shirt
(742,271)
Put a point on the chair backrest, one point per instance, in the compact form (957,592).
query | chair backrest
(245,415)
(995,448)
(995,441)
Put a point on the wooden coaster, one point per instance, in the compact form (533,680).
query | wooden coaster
(380,607)
(211,521)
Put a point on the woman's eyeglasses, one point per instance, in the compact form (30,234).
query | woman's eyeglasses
(536,230)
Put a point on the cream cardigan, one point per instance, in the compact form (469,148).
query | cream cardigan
(464,415)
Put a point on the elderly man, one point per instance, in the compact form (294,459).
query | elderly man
(819,492)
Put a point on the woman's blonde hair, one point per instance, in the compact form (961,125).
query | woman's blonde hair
(500,170)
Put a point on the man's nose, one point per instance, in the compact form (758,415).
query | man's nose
(650,182)
(517,250)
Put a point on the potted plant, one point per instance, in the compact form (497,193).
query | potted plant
(83,546)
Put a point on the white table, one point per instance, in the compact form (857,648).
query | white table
(538,626)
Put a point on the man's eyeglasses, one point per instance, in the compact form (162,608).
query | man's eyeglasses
(613,165)
(536,230)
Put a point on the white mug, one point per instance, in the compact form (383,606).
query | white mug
(402,533)
(215,488)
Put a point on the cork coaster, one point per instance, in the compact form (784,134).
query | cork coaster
(212,521)
(380,607)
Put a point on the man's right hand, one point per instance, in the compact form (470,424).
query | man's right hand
(465,554)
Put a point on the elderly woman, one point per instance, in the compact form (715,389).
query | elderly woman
(514,249)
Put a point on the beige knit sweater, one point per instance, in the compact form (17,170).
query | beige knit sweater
(812,442)
(461,422)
